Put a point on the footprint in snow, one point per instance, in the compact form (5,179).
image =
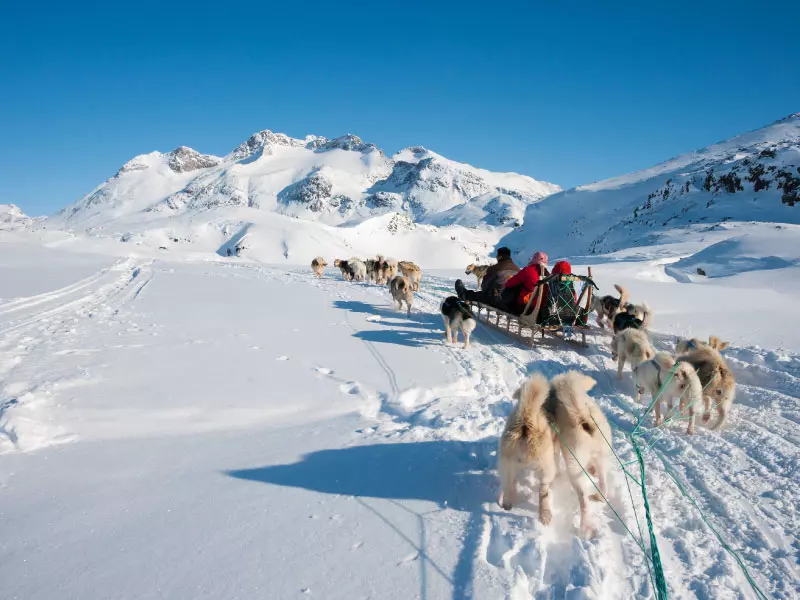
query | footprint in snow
(282,358)
(374,318)
(324,370)
(408,559)
(349,388)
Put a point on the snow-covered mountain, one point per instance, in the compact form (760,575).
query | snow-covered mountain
(12,218)
(297,198)
(686,203)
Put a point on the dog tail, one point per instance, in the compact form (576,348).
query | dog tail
(532,397)
(647,315)
(623,295)
(571,391)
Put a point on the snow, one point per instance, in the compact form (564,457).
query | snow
(177,423)
(198,427)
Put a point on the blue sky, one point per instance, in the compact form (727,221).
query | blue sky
(568,92)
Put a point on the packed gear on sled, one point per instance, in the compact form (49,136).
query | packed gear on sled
(554,306)
(560,303)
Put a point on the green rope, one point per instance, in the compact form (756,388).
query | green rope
(724,544)
(660,583)
(630,495)
(602,495)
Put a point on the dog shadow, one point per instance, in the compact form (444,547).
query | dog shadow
(402,337)
(419,329)
(450,474)
(442,472)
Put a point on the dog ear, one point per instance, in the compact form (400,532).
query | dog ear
(587,382)
(722,345)
(713,341)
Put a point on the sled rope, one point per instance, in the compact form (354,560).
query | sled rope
(714,530)
(660,582)
(602,495)
(630,495)
(684,492)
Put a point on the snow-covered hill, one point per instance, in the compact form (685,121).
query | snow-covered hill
(295,199)
(685,203)
(13,219)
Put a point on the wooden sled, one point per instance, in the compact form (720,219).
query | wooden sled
(562,316)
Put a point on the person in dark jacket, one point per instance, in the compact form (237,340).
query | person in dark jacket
(493,282)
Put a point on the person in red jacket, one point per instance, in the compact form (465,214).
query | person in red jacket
(524,282)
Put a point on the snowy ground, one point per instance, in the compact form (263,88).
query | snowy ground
(230,430)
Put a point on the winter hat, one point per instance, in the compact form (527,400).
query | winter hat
(538,258)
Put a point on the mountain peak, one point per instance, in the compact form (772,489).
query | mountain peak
(12,217)
(260,141)
(184,159)
(789,118)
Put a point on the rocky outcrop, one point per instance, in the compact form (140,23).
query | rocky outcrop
(184,159)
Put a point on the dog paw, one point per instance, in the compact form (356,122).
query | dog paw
(596,497)
(706,417)
(505,505)
(545,516)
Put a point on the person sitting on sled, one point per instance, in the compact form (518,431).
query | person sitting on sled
(524,283)
(493,284)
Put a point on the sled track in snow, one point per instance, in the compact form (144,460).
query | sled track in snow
(32,324)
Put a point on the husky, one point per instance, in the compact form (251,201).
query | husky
(318,266)
(551,416)
(607,307)
(370,265)
(377,270)
(662,375)
(388,270)
(457,315)
(682,346)
(634,316)
(401,291)
(632,346)
(359,269)
(719,384)
(412,272)
(345,268)
(478,270)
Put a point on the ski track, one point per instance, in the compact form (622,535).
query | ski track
(36,326)
(743,477)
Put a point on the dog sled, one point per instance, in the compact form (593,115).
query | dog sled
(555,308)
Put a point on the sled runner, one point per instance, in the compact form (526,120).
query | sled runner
(554,308)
